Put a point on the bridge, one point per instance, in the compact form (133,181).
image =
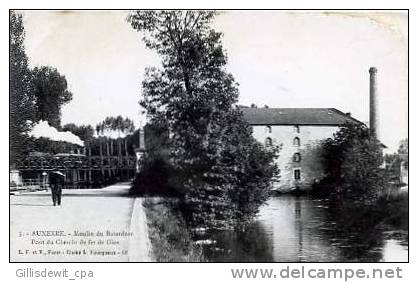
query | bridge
(81,171)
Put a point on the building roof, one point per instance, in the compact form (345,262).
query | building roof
(297,116)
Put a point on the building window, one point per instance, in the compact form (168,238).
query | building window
(296,157)
(297,174)
(269,142)
(296,141)
(269,130)
(297,129)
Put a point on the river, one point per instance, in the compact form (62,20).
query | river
(303,229)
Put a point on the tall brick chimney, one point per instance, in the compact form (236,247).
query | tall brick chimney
(374,109)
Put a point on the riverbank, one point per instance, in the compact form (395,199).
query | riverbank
(170,238)
(391,207)
(394,211)
(287,229)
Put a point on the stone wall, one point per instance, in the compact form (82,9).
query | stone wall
(308,148)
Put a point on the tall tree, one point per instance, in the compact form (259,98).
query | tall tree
(195,95)
(51,92)
(21,99)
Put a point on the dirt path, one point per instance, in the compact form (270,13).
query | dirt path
(91,225)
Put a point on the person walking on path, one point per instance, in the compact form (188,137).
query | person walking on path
(56,179)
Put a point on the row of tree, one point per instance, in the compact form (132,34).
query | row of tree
(111,131)
(119,125)
(114,128)
(39,94)
(35,94)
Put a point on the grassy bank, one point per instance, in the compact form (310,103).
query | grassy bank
(169,236)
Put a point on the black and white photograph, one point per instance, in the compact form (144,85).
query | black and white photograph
(208,136)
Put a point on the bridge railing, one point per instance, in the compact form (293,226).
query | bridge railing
(93,162)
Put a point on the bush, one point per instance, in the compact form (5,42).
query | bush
(153,179)
(352,163)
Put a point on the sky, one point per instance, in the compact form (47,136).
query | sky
(279,58)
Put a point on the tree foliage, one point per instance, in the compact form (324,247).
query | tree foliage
(403,147)
(35,95)
(220,169)
(118,124)
(51,93)
(397,161)
(46,145)
(21,98)
(353,160)
(84,132)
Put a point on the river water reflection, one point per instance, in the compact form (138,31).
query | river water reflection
(300,229)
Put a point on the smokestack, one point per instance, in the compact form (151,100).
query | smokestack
(374,109)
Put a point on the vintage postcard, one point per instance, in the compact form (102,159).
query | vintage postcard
(208,136)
